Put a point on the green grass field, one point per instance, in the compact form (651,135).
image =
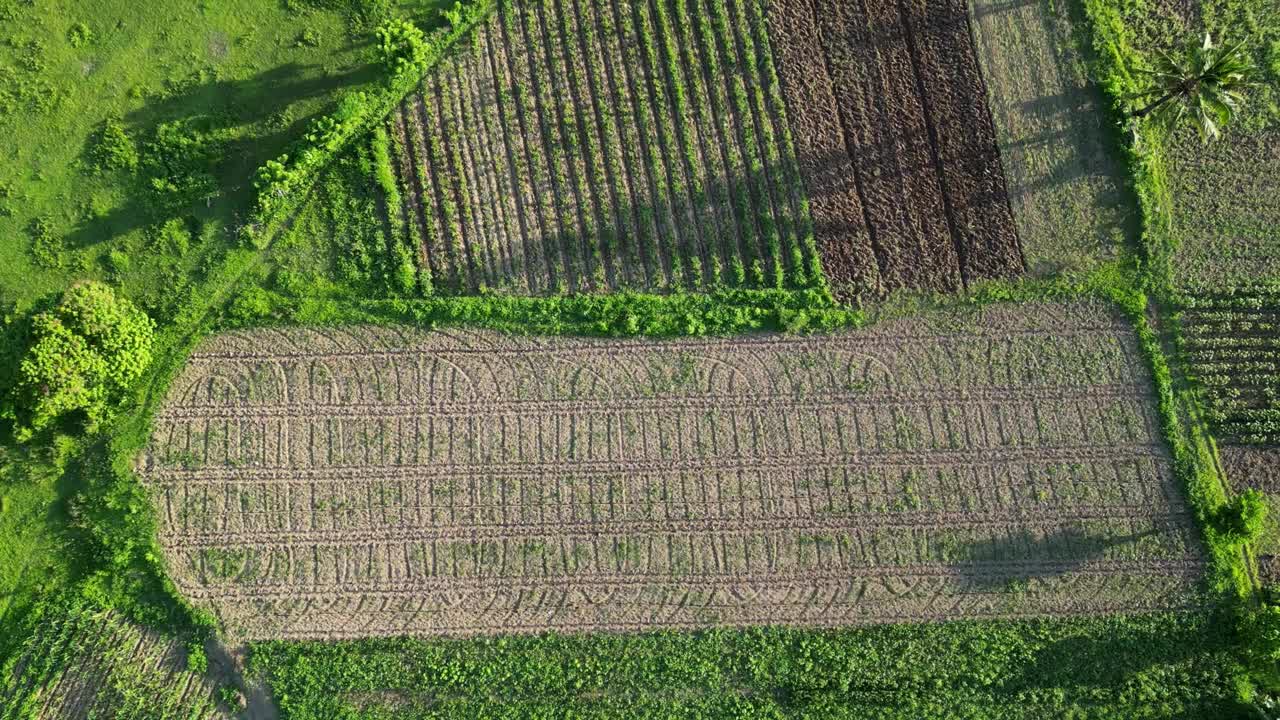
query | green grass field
(1066,183)
(250,73)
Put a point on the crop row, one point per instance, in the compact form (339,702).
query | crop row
(592,145)
(84,662)
(1232,346)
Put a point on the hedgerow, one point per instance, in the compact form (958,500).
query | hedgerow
(284,183)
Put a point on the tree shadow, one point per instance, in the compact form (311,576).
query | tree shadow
(1111,659)
(249,100)
(983,9)
(1025,556)
(262,103)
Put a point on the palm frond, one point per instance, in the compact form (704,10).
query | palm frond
(1204,82)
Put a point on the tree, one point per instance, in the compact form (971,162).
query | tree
(1203,83)
(403,46)
(1243,519)
(84,354)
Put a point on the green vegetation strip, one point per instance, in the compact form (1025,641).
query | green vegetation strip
(1155,666)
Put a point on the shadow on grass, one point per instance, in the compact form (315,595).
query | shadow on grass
(257,109)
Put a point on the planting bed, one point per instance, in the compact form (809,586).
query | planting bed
(344,483)
(95,664)
(1227,214)
(590,145)
(896,143)
(1232,341)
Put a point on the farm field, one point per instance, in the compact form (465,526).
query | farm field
(95,664)
(1227,220)
(345,483)
(896,144)
(751,359)
(609,145)
(1223,194)
(1066,185)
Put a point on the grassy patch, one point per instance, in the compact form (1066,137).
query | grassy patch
(237,72)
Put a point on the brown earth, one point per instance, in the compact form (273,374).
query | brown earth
(896,142)
(335,483)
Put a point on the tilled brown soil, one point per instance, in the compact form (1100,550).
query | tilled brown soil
(895,142)
(339,483)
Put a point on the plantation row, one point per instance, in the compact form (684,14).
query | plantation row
(592,145)
(88,663)
(1232,341)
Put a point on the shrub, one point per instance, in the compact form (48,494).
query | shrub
(171,238)
(46,245)
(180,160)
(79,35)
(1242,520)
(250,306)
(119,261)
(403,46)
(112,148)
(309,37)
(197,660)
(84,354)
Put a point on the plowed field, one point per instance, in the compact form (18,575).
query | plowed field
(895,142)
(327,483)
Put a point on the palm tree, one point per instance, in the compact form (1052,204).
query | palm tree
(1204,82)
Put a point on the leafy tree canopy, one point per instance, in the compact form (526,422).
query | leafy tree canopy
(84,353)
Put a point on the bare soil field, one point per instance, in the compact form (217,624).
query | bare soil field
(339,483)
(895,143)
(1065,184)
(592,145)
(95,664)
